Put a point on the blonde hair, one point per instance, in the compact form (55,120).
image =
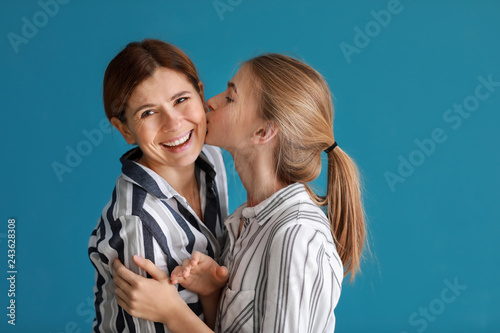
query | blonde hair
(298,100)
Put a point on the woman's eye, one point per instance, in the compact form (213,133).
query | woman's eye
(229,99)
(180,100)
(147,113)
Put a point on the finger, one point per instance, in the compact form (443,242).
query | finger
(120,296)
(151,268)
(124,273)
(195,258)
(222,273)
(186,272)
(176,273)
(115,265)
(186,262)
(121,299)
(122,284)
(125,306)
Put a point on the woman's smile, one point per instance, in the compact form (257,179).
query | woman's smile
(180,143)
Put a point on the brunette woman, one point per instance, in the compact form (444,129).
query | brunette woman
(171,197)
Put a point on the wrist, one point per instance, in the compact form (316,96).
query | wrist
(175,308)
(214,294)
(182,319)
(174,313)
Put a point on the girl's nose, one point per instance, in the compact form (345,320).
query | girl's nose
(211,103)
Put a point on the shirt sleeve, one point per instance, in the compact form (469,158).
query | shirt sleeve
(303,286)
(121,238)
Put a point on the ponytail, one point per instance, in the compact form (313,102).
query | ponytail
(345,209)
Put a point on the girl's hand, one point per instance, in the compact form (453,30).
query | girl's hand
(200,274)
(152,299)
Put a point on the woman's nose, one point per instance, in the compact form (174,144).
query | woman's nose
(171,121)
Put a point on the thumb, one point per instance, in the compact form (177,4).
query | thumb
(151,268)
(222,273)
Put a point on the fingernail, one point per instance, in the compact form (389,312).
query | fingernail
(138,258)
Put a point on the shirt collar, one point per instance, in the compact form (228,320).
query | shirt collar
(154,183)
(279,201)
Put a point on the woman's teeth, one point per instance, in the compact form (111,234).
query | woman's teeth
(179,141)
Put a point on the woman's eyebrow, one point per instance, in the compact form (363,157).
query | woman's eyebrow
(232,85)
(143,107)
(179,94)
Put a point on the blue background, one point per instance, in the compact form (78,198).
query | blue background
(439,226)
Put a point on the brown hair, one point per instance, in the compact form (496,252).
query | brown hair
(134,64)
(298,100)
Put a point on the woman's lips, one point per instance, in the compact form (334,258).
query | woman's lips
(179,140)
(178,143)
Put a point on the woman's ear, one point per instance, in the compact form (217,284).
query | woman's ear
(123,129)
(200,84)
(265,133)
(202,94)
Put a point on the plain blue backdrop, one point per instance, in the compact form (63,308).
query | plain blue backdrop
(417,97)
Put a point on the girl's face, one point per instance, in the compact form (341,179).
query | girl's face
(233,114)
(166,118)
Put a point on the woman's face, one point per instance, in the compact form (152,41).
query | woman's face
(233,114)
(166,118)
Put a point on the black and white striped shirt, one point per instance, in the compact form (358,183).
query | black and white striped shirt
(146,216)
(285,273)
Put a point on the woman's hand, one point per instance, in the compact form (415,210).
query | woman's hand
(200,274)
(153,299)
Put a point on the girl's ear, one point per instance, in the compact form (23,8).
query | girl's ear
(264,133)
(123,129)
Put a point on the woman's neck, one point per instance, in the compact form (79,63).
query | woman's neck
(258,175)
(182,179)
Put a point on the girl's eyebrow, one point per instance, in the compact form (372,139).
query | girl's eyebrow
(232,85)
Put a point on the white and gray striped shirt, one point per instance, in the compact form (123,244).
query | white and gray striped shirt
(146,216)
(285,272)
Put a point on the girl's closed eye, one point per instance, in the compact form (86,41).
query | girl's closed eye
(229,99)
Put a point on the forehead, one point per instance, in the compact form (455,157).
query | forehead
(163,81)
(242,76)
(244,81)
